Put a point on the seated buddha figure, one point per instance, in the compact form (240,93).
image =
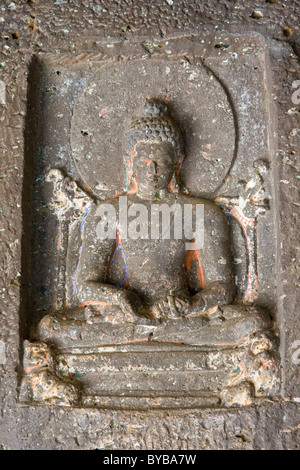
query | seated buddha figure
(141,276)
(134,265)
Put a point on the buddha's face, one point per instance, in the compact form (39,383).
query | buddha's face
(154,168)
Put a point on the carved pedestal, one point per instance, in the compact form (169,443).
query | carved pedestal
(224,357)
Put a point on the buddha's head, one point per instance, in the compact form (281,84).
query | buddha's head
(155,149)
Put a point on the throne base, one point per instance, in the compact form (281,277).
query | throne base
(233,362)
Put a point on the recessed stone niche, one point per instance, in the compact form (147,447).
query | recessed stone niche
(145,323)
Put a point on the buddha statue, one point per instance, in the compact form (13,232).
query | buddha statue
(151,266)
(144,272)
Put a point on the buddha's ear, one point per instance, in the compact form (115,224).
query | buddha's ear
(177,172)
(173,186)
(130,171)
(132,189)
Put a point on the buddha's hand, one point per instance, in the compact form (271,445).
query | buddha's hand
(131,302)
(172,306)
(217,294)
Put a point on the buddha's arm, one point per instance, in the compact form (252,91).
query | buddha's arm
(209,272)
(218,278)
(92,288)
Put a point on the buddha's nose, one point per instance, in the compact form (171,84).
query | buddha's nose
(152,168)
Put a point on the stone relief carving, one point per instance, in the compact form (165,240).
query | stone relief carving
(147,322)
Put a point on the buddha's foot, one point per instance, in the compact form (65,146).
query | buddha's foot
(223,327)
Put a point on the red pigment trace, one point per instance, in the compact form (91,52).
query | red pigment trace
(190,257)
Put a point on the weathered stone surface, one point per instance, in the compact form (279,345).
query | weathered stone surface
(263,426)
(52,27)
(40,382)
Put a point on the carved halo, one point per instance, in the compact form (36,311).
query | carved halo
(115,97)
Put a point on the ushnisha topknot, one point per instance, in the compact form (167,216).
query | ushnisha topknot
(155,109)
(155,126)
